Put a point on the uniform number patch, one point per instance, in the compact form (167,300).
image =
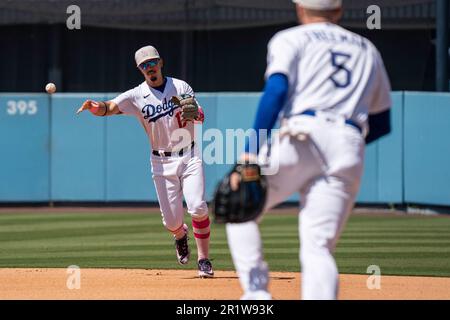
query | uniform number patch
(341,76)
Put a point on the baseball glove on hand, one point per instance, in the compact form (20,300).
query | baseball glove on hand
(189,107)
(241,195)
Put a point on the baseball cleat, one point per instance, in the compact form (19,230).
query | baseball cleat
(205,269)
(182,248)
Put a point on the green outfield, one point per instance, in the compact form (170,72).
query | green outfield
(399,245)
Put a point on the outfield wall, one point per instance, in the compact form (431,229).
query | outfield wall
(47,153)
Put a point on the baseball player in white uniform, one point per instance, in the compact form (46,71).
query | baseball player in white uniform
(328,87)
(176,165)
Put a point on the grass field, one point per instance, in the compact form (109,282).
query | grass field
(399,245)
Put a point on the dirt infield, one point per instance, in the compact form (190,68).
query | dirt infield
(183,284)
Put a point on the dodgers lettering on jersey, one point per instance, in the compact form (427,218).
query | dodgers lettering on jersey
(154,112)
(157,114)
(341,72)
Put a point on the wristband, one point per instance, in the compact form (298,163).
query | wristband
(106,109)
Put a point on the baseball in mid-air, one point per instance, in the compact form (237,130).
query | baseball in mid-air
(50,88)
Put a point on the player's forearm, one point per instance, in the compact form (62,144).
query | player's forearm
(379,125)
(105,108)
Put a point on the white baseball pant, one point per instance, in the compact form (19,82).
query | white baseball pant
(325,169)
(175,177)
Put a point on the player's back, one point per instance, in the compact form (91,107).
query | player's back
(329,68)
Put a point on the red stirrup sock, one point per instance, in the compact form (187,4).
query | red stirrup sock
(201,234)
(180,232)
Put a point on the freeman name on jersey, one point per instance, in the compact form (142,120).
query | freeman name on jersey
(329,36)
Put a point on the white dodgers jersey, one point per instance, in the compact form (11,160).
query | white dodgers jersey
(160,118)
(329,68)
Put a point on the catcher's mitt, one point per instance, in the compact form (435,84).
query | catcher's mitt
(189,107)
(241,195)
